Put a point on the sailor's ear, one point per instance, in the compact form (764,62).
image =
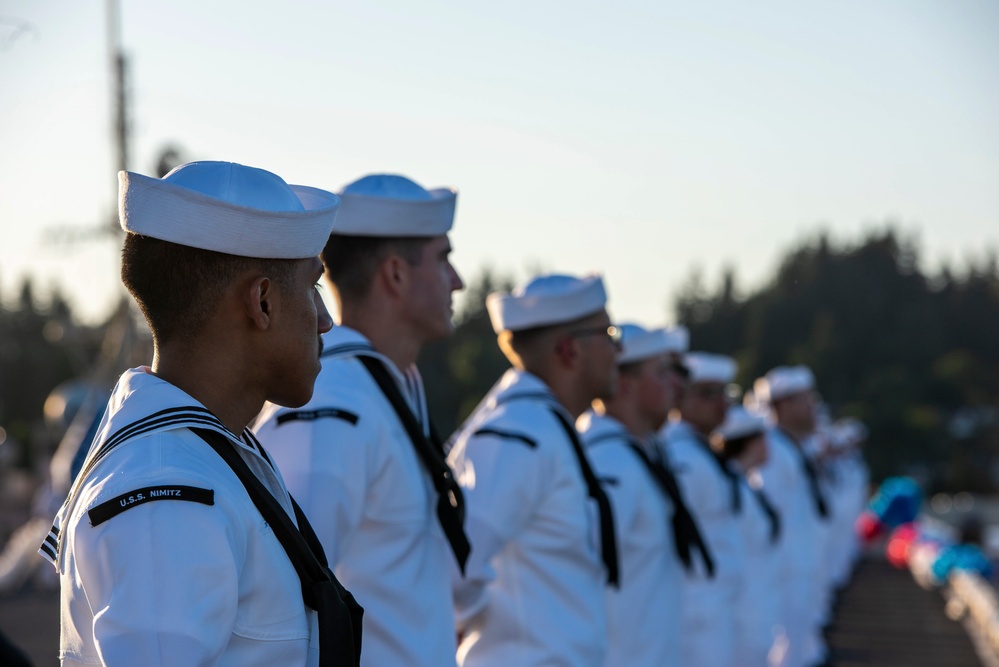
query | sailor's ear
(567,350)
(393,271)
(259,299)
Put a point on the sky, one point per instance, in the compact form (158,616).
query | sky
(643,139)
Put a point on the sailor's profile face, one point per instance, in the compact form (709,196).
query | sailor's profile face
(300,319)
(433,281)
(705,404)
(598,350)
(655,388)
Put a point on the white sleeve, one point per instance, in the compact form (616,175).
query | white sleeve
(162,581)
(326,464)
(501,480)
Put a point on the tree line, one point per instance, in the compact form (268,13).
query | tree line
(912,353)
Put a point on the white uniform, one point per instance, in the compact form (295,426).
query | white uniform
(534,588)
(350,464)
(758,622)
(708,629)
(847,504)
(786,484)
(643,616)
(163,558)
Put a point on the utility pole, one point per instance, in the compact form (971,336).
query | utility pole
(119,97)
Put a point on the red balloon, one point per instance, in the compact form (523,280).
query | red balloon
(868,526)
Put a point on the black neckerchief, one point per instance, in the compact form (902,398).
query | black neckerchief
(608,545)
(730,475)
(450,501)
(773,516)
(685,531)
(810,474)
(339,614)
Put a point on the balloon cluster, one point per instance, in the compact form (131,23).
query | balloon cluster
(932,555)
(897,502)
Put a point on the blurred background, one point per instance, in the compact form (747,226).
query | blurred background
(811,183)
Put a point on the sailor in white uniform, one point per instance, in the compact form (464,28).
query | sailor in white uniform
(791,481)
(851,478)
(177,541)
(656,536)
(713,495)
(540,523)
(759,634)
(361,456)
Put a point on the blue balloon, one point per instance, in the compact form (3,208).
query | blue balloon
(897,501)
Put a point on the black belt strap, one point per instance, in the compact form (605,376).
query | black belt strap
(450,500)
(339,614)
(608,545)
(685,531)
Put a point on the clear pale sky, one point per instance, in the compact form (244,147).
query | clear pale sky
(636,138)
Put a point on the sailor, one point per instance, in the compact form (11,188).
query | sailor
(791,481)
(847,436)
(178,543)
(759,639)
(540,523)
(362,455)
(712,492)
(656,535)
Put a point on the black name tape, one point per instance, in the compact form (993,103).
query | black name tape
(320,413)
(116,506)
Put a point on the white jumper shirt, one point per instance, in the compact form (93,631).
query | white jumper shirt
(786,484)
(350,464)
(643,615)
(163,557)
(709,604)
(534,588)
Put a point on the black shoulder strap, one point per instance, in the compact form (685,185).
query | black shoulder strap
(685,531)
(450,500)
(339,614)
(608,544)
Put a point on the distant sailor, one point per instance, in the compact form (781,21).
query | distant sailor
(656,535)
(791,480)
(760,640)
(178,543)
(362,455)
(713,495)
(540,523)
(851,495)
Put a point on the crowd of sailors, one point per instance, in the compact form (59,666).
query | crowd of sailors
(615,499)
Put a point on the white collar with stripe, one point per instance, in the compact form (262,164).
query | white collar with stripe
(142,404)
(342,341)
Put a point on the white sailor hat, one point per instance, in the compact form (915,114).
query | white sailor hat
(740,423)
(228,208)
(707,367)
(782,382)
(391,206)
(848,432)
(638,343)
(545,301)
(679,338)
